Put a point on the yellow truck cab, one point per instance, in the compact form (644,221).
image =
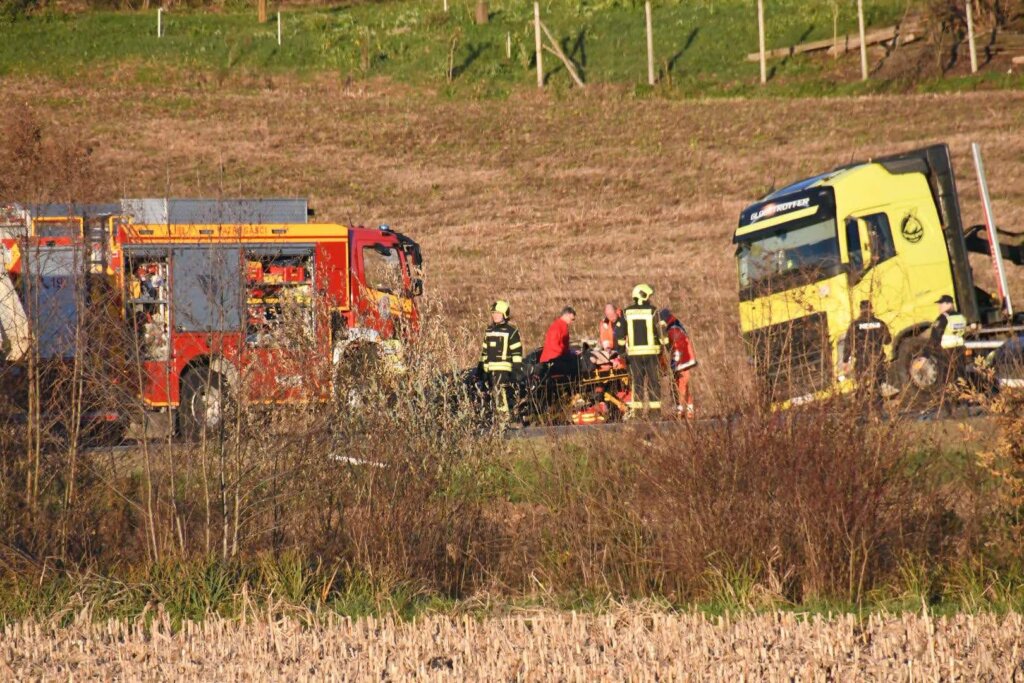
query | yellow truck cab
(887,231)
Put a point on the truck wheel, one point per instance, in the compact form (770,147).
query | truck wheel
(917,371)
(204,401)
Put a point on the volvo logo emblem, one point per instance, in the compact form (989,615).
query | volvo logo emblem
(912,229)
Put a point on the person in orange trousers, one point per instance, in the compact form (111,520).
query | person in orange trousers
(681,359)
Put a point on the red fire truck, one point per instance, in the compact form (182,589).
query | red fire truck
(216,296)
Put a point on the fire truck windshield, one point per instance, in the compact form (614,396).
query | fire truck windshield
(796,253)
(383,268)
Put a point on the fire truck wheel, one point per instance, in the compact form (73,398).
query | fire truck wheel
(203,402)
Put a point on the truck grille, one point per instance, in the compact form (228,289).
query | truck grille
(792,359)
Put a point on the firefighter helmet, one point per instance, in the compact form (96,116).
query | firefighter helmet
(502,307)
(641,293)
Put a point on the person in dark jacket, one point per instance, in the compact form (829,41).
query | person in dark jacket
(866,340)
(642,346)
(938,329)
(946,347)
(501,357)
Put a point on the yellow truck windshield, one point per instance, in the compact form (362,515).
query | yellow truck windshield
(793,254)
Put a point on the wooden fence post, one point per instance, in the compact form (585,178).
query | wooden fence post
(970,37)
(863,42)
(760,39)
(650,44)
(536,30)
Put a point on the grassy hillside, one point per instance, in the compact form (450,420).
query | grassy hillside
(700,46)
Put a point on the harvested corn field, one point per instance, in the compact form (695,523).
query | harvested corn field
(627,645)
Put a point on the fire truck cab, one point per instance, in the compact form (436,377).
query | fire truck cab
(217,297)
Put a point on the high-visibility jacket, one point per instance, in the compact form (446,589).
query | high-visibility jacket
(681,355)
(502,350)
(947,332)
(641,335)
(611,331)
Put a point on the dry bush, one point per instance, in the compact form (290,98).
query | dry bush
(811,504)
(376,478)
(45,163)
(1005,464)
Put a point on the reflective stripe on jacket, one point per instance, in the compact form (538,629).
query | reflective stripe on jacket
(502,350)
(641,330)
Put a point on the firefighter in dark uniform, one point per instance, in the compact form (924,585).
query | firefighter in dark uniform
(642,345)
(501,357)
(865,345)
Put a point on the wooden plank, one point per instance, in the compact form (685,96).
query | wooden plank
(781,52)
(1018,61)
(557,51)
(853,42)
(850,41)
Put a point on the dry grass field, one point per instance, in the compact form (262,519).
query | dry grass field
(539,199)
(629,645)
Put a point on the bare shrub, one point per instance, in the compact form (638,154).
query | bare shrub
(810,504)
(44,163)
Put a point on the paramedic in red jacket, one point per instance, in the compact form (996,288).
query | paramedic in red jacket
(681,359)
(556,353)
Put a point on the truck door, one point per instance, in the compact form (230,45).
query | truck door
(383,296)
(876,273)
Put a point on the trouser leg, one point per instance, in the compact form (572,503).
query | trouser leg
(567,366)
(636,384)
(684,400)
(501,390)
(653,386)
(644,378)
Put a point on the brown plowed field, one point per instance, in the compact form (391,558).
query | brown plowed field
(538,199)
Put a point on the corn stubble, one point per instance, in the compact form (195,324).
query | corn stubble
(631,644)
